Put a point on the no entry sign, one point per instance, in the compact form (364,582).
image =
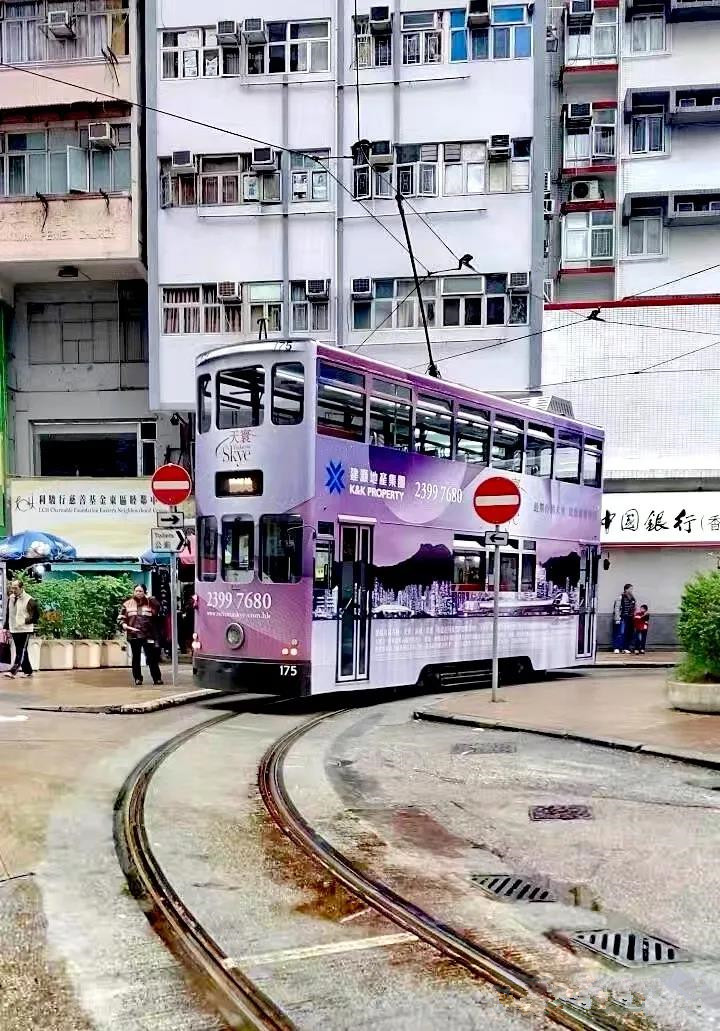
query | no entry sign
(171,485)
(496,500)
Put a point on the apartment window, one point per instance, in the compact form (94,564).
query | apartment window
(219,179)
(596,43)
(464,168)
(508,36)
(88,332)
(294,46)
(645,236)
(462,301)
(195,53)
(88,449)
(217,316)
(197,309)
(60,161)
(647,133)
(308,314)
(416,170)
(262,188)
(593,142)
(589,236)
(647,34)
(371,51)
(309,179)
(265,300)
(421,38)
(390,415)
(24,37)
(394,305)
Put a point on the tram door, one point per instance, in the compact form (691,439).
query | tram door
(587,601)
(354,604)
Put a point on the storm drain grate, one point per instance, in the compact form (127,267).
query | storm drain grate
(560,812)
(509,888)
(484,748)
(630,948)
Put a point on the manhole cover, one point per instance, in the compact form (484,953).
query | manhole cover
(484,748)
(560,812)
(512,889)
(630,948)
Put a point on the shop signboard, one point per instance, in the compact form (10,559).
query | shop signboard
(669,518)
(101,518)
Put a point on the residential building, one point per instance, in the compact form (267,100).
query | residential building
(273,162)
(633,242)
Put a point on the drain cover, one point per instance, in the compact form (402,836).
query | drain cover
(484,748)
(512,889)
(630,948)
(560,812)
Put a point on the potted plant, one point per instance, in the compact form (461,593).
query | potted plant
(695,684)
(57,603)
(99,601)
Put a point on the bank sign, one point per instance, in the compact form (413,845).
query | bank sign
(687,518)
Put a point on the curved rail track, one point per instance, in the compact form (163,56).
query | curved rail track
(242,1004)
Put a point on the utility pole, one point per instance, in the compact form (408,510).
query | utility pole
(432,367)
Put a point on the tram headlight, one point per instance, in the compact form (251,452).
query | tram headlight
(196,645)
(235,636)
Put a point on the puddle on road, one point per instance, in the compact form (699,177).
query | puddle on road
(417,828)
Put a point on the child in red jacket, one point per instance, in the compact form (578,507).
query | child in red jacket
(641,622)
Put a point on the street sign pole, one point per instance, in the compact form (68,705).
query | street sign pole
(496,617)
(173,618)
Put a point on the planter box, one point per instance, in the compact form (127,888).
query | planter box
(87,654)
(36,652)
(58,654)
(114,653)
(700,697)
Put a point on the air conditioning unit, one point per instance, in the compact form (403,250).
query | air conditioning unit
(318,289)
(254,31)
(361,288)
(227,33)
(578,114)
(265,159)
(380,21)
(518,282)
(714,205)
(684,206)
(381,152)
(229,292)
(548,182)
(182,161)
(100,135)
(585,189)
(580,10)
(60,25)
(499,148)
(478,13)
(548,207)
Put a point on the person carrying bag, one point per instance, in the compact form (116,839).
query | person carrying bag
(23,616)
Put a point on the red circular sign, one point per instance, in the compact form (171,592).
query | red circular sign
(171,485)
(496,500)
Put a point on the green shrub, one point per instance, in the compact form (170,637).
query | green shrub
(699,627)
(84,607)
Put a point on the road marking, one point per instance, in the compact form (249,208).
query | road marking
(354,916)
(327,949)
(13,719)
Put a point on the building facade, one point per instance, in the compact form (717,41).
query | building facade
(632,214)
(273,162)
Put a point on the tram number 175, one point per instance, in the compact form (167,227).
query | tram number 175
(288,671)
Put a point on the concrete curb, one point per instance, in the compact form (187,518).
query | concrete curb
(692,758)
(133,709)
(652,664)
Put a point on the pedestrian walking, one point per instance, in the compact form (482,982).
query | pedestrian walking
(641,623)
(623,616)
(23,615)
(140,619)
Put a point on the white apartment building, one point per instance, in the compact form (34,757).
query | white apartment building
(633,239)
(281,136)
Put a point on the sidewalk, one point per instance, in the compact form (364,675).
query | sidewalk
(655,658)
(627,711)
(109,691)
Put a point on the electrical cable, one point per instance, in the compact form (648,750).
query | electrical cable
(619,375)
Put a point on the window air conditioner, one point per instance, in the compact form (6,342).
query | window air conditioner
(227,33)
(579,113)
(684,206)
(318,289)
(478,13)
(580,10)
(548,207)
(229,292)
(182,161)
(100,134)
(585,189)
(518,282)
(381,152)
(380,21)
(361,288)
(254,31)
(60,25)
(264,159)
(714,205)
(499,148)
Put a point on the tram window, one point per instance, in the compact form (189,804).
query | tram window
(539,450)
(340,402)
(207,548)
(281,538)
(592,463)
(203,403)
(567,457)
(508,571)
(240,397)
(527,578)
(472,436)
(507,446)
(433,426)
(238,549)
(469,562)
(288,394)
(390,423)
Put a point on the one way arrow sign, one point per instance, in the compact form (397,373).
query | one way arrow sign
(168,541)
(170,520)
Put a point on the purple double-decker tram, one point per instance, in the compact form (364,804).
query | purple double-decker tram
(338,545)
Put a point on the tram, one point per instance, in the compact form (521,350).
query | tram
(338,544)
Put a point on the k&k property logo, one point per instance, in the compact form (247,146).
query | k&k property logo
(335,472)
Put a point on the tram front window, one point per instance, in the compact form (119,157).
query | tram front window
(240,397)
(238,549)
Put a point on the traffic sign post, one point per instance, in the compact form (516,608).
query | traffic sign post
(171,485)
(496,500)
